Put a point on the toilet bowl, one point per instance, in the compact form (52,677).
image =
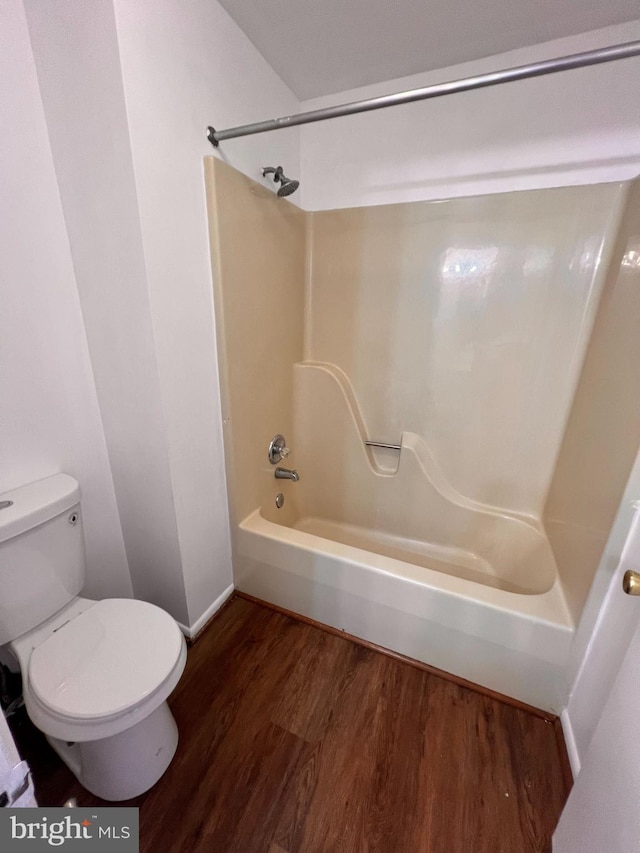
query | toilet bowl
(96,674)
(96,678)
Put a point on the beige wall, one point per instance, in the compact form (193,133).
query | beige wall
(258,256)
(465,322)
(603,433)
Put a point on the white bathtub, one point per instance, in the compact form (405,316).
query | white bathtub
(516,643)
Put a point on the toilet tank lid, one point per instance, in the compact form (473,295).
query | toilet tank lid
(36,503)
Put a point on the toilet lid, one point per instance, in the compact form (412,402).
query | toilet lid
(106,660)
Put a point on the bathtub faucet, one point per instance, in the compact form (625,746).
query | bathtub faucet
(286,474)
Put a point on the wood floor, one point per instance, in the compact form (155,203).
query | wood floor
(293,740)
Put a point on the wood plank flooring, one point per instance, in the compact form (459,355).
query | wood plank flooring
(293,740)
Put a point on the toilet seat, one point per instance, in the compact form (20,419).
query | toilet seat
(105,661)
(99,667)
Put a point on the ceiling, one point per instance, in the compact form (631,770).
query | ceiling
(323,46)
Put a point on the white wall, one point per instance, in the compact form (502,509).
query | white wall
(601,813)
(186,65)
(579,126)
(128,91)
(76,55)
(606,628)
(49,419)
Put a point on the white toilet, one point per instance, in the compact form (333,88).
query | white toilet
(96,674)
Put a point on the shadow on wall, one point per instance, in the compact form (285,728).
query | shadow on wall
(603,433)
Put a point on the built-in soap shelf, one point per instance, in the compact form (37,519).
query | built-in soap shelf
(384,456)
(384,445)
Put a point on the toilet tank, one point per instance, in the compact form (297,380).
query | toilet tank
(42,560)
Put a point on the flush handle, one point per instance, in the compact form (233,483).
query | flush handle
(631,583)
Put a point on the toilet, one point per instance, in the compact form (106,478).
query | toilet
(96,675)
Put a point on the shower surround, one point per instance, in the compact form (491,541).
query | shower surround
(465,332)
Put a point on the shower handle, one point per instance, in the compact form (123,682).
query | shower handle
(278,449)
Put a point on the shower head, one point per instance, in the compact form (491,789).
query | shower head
(287,185)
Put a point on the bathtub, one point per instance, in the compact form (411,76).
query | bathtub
(429,603)
(381,545)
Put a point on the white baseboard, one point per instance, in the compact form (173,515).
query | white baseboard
(570,741)
(201,621)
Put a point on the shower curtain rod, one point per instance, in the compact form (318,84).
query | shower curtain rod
(493,78)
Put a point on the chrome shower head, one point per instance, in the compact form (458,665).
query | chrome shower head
(287,185)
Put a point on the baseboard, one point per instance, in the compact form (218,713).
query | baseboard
(191,631)
(570,741)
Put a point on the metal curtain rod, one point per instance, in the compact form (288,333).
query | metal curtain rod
(493,78)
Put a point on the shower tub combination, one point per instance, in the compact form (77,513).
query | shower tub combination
(459,334)
(401,560)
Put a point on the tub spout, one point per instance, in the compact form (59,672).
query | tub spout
(286,474)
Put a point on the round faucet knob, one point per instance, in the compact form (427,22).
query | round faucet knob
(278,449)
